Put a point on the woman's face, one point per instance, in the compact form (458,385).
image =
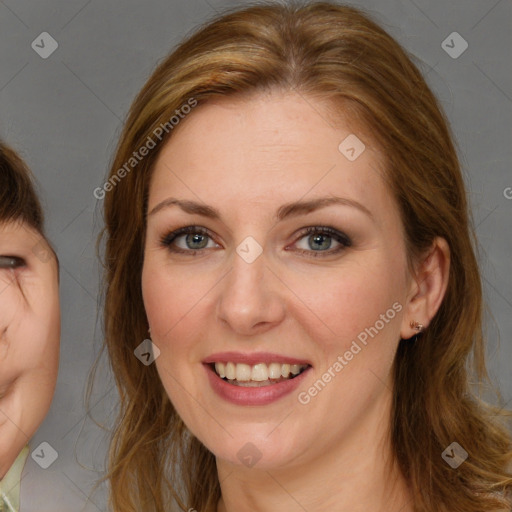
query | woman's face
(29,336)
(253,286)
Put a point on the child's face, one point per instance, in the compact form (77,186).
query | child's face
(29,335)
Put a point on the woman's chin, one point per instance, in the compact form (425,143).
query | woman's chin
(258,453)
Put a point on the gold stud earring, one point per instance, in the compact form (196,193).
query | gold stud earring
(416,326)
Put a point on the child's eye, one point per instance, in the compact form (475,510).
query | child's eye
(11,262)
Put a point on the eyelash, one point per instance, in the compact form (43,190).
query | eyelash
(340,237)
(11,262)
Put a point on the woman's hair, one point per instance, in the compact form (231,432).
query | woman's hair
(339,55)
(18,198)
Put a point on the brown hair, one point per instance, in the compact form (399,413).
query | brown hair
(339,54)
(18,198)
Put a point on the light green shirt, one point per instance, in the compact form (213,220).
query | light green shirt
(10,484)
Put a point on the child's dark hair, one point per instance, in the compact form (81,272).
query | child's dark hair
(19,201)
(18,198)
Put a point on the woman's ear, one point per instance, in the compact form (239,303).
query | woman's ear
(428,288)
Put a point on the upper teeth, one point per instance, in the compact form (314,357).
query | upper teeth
(258,372)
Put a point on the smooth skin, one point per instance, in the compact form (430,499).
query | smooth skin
(246,157)
(29,336)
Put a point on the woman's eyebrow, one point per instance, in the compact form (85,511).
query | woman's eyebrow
(302,207)
(287,210)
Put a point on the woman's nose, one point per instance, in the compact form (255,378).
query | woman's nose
(251,296)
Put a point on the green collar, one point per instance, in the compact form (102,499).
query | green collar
(10,484)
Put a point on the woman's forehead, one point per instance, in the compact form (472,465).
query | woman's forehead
(265,147)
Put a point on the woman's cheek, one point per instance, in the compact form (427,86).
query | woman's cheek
(170,294)
(342,300)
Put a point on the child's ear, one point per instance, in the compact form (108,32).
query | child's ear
(428,287)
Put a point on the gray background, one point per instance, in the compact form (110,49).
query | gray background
(64,114)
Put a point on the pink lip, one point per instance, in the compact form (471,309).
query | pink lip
(253,358)
(264,395)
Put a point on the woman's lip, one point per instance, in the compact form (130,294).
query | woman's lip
(263,395)
(253,358)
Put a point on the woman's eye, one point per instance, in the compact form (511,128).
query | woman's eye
(318,240)
(190,240)
(11,262)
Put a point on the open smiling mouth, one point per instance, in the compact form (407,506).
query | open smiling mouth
(258,375)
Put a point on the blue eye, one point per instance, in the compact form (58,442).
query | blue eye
(320,237)
(196,239)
